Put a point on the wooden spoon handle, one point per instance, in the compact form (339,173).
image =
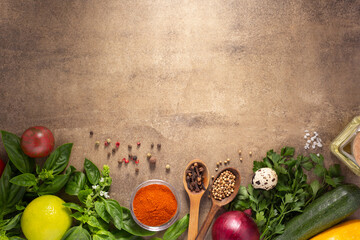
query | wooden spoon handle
(208,220)
(194,218)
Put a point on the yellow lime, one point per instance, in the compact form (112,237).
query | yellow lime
(45,218)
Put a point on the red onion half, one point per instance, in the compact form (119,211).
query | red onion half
(235,225)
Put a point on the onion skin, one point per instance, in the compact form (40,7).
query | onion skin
(37,142)
(235,225)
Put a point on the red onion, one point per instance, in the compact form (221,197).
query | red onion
(235,225)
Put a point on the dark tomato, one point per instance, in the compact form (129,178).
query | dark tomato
(2,166)
(37,142)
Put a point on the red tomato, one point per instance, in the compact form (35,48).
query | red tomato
(37,142)
(2,166)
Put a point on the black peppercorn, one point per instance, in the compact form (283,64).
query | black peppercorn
(134,158)
(158,145)
(129,146)
(91,133)
(152,145)
(113,150)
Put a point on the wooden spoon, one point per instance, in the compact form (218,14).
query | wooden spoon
(195,198)
(217,204)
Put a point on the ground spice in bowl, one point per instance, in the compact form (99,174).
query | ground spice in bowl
(154,205)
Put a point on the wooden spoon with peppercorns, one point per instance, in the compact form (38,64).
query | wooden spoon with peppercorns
(218,203)
(196,181)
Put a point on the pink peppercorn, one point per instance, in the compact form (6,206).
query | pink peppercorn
(106,143)
(126,161)
(117,144)
(137,162)
(138,143)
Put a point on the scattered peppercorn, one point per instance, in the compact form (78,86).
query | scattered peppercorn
(137,162)
(152,160)
(223,185)
(148,155)
(134,158)
(152,145)
(117,144)
(137,170)
(225,162)
(123,160)
(97,143)
(217,164)
(91,133)
(126,160)
(108,140)
(113,150)
(216,169)
(239,152)
(167,167)
(138,144)
(109,155)
(250,153)
(212,177)
(220,162)
(129,146)
(106,144)
(159,146)
(120,161)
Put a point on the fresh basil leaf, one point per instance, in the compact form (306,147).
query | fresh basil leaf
(115,211)
(4,188)
(287,151)
(101,211)
(97,223)
(76,233)
(103,235)
(156,238)
(131,226)
(180,226)
(74,206)
(16,155)
(16,238)
(24,180)
(16,193)
(59,159)
(76,183)
(92,172)
(57,184)
(123,235)
(13,222)
(80,217)
(83,195)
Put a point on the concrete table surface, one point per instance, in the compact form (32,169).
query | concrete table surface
(203,78)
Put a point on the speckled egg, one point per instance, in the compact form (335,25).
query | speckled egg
(265,178)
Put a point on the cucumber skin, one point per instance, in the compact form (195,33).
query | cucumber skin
(324,212)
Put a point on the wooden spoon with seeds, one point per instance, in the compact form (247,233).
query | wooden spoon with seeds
(195,197)
(217,204)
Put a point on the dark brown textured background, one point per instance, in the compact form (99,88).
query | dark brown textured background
(204,78)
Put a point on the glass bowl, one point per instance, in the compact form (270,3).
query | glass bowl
(168,223)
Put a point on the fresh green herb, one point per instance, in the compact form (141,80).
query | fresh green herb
(273,208)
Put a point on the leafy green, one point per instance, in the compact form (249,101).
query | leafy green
(92,172)
(24,180)
(76,183)
(175,231)
(272,209)
(58,159)
(12,146)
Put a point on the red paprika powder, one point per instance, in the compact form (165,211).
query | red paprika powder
(154,205)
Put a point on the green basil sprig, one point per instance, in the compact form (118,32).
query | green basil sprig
(12,146)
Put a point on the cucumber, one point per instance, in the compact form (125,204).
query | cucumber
(324,212)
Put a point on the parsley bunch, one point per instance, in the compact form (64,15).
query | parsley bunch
(272,209)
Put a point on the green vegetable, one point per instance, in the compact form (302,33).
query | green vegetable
(324,212)
(273,208)
(12,146)
(92,172)
(175,231)
(59,159)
